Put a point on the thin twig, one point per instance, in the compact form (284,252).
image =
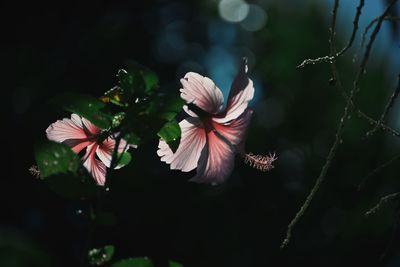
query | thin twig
(381,125)
(369,26)
(378,170)
(388,106)
(332,151)
(339,132)
(335,55)
(355,29)
(382,201)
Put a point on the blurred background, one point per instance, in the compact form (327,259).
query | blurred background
(79,46)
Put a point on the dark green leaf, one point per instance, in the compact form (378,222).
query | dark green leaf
(174,264)
(131,82)
(99,256)
(136,262)
(124,159)
(172,107)
(149,77)
(132,139)
(171,133)
(55,158)
(116,96)
(72,186)
(86,106)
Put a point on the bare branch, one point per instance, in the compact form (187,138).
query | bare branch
(388,106)
(377,170)
(339,132)
(369,26)
(332,151)
(333,55)
(382,201)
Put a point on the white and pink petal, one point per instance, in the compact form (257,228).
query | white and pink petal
(94,166)
(65,129)
(241,93)
(193,139)
(216,161)
(202,92)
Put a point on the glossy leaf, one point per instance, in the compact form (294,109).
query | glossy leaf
(174,264)
(132,139)
(149,77)
(73,186)
(124,159)
(86,106)
(99,256)
(55,158)
(115,96)
(171,133)
(131,83)
(171,108)
(135,262)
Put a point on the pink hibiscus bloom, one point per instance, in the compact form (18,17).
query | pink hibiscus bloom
(211,138)
(79,133)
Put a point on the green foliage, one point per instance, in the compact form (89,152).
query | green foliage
(135,262)
(132,139)
(136,81)
(86,106)
(171,133)
(55,158)
(72,186)
(99,256)
(174,264)
(149,78)
(172,107)
(124,159)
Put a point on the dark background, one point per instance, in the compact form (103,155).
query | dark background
(79,46)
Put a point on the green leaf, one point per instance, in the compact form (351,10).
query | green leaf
(149,77)
(171,133)
(72,186)
(55,158)
(124,159)
(115,96)
(135,262)
(131,82)
(99,256)
(172,107)
(85,106)
(132,139)
(174,264)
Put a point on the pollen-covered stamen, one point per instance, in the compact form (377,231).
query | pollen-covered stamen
(260,162)
(34,170)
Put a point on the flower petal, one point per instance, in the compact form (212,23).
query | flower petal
(202,92)
(235,132)
(62,130)
(94,166)
(193,139)
(105,150)
(242,92)
(89,127)
(216,161)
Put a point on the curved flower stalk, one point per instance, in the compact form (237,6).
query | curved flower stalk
(79,133)
(211,135)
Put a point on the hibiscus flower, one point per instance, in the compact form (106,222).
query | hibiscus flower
(211,135)
(79,133)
